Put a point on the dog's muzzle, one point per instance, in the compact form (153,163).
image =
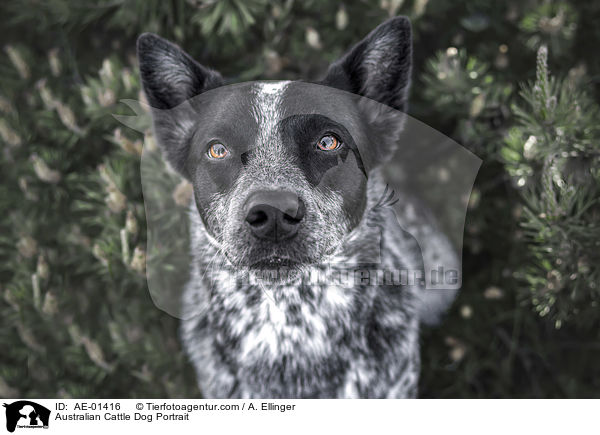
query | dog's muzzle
(274,215)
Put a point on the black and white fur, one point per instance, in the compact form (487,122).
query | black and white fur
(286,337)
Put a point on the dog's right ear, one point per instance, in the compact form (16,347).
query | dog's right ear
(171,79)
(169,75)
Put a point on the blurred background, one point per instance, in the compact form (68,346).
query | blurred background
(515,82)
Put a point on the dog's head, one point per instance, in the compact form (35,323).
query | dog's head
(279,169)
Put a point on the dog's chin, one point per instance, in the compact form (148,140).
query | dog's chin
(275,263)
(277,270)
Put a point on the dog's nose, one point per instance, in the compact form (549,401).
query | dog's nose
(274,215)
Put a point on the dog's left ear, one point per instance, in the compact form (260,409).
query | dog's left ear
(379,66)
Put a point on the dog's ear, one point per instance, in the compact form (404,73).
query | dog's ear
(169,75)
(171,79)
(379,66)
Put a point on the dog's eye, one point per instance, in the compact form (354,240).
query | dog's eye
(328,143)
(217,151)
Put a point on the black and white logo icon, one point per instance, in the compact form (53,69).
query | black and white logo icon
(26,414)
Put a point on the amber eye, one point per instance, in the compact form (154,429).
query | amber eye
(217,151)
(328,143)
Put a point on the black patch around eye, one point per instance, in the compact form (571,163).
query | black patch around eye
(304,131)
(245,157)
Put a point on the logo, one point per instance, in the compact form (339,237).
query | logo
(26,414)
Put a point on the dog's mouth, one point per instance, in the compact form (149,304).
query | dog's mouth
(276,270)
(275,263)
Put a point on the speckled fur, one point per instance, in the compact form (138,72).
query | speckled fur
(251,337)
(295,340)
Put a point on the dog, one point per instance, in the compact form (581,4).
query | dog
(279,194)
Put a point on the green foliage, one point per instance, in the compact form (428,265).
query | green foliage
(550,24)
(77,317)
(557,165)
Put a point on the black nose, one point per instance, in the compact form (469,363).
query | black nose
(274,215)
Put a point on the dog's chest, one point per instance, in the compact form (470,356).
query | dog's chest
(269,322)
(272,338)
